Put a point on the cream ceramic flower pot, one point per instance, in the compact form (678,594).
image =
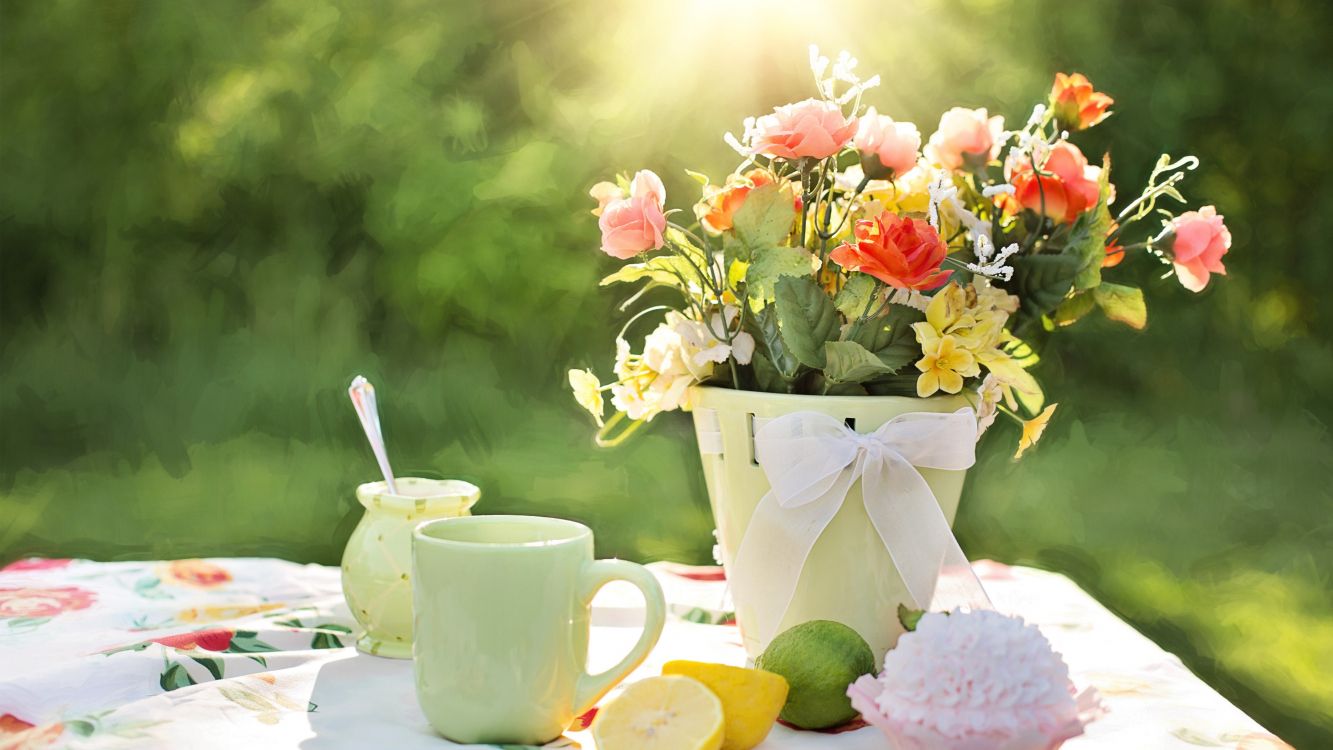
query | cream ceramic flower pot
(849,576)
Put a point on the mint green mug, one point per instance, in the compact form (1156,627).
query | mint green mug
(501,616)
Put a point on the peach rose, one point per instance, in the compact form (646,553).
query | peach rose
(965,138)
(902,252)
(813,129)
(43,602)
(635,224)
(721,205)
(1067,187)
(894,145)
(1201,239)
(1076,104)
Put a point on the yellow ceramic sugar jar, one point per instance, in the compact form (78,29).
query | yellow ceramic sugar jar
(377,562)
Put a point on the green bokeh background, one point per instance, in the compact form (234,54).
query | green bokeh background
(213,215)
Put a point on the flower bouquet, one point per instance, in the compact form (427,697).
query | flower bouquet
(844,270)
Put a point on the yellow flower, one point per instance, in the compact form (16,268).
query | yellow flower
(1033,428)
(588,392)
(235,612)
(943,367)
(1013,379)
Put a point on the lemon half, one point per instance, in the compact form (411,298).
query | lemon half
(661,713)
(751,698)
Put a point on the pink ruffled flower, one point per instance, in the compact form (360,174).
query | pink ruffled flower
(635,224)
(965,137)
(1201,239)
(812,129)
(895,144)
(974,681)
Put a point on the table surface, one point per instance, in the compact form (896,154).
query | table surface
(228,653)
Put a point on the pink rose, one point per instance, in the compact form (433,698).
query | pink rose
(812,129)
(1067,187)
(895,144)
(966,137)
(1201,239)
(37,563)
(43,602)
(635,224)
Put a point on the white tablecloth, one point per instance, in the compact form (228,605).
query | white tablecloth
(256,653)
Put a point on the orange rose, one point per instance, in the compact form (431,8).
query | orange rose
(1066,188)
(1114,252)
(722,204)
(1077,106)
(902,252)
(199,574)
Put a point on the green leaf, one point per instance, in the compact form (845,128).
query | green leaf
(854,296)
(769,264)
(763,325)
(909,617)
(1122,303)
(325,640)
(1088,238)
(849,362)
(1073,308)
(1042,281)
(247,699)
(766,374)
(806,318)
(663,269)
(175,677)
(891,337)
(80,727)
(765,218)
(214,666)
(247,642)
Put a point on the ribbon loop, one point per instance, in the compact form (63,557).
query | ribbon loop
(811,461)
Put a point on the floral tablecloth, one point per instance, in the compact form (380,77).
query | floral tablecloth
(256,653)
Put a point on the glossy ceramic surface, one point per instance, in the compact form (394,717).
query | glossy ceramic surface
(849,576)
(502,624)
(377,562)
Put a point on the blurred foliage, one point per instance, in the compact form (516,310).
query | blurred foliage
(212,215)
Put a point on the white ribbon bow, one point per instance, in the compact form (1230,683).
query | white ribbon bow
(811,461)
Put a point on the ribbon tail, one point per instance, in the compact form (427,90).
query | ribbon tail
(773,552)
(909,521)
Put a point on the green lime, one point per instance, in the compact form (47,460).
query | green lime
(819,659)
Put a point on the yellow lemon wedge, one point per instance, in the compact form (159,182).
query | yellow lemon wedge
(751,698)
(661,713)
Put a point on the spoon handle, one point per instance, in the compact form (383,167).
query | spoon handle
(362,394)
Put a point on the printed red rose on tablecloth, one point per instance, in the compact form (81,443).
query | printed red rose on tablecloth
(17,734)
(44,602)
(213,639)
(37,563)
(199,574)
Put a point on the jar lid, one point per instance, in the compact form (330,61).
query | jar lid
(420,496)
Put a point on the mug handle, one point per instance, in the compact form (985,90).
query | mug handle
(598,573)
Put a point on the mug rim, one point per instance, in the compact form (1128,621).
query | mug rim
(579,531)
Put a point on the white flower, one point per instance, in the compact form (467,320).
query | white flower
(909,298)
(588,392)
(995,268)
(989,394)
(679,353)
(943,193)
